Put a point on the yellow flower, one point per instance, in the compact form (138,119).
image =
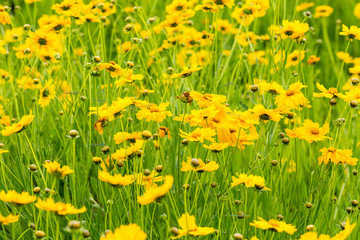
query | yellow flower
(249,181)
(18,198)
(310,131)
(56,170)
(18,127)
(128,77)
(273,88)
(154,112)
(200,166)
(45,39)
(352,33)
(199,135)
(216,147)
(294,30)
(189,227)
(323,11)
(114,69)
(4,16)
(8,219)
(328,93)
(222,3)
(148,180)
(116,180)
(58,207)
(304,6)
(357,11)
(292,97)
(272,224)
(125,136)
(263,114)
(186,72)
(154,193)
(313,59)
(47,93)
(336,156)
(128,152)
(126,232)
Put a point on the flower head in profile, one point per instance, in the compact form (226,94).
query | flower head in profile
(18,127)
(155,193)
(249,181)
(17,198)
(304,6)
(128,77)
(128,232)
(58,207)
(292,97)
(47,93)
(327,93)
(198,165)
(113,68)
(55,169)
(274,225)
(352,33)
(117,180)
(8,219)
(216,147)
(310,131)
(199,135)
(4,16)
(186,72)
(189,227)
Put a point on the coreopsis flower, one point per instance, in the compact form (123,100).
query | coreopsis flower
(189,227)
(154,112)
(154,193)
(180,8)
(304,6)
(148,180)
(116,108)
(323,11)
(8,219)
(117,180)
(13,35)
(344,57)
(313,59)
(128,77)
(45,39)
(327,93)
(223,26)
(357,11)
(128,152)
(17,198)
(250,181)
(164,131)
(222,3)
(206,99)
(19,126)
(207,6)
(47,93)
(64,7)
(336,156)
(113,68)
(100,124)
(294,58)
(186,72)
(4,16)
(199,135)
(216,147)
(294,30)
(55,169)
(292,97)
(264,114)
(257,57)
(273,88)
(60,23)
(245,14)
(128,232)
(275,225)
(237,136)
(59,208)
(247,38)
(3,151)
(310,131)
(352,33)
(198,165)
(121,137)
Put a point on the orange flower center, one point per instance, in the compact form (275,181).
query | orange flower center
(315,131)
(290,92)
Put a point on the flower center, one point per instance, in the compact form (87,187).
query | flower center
(315,131)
